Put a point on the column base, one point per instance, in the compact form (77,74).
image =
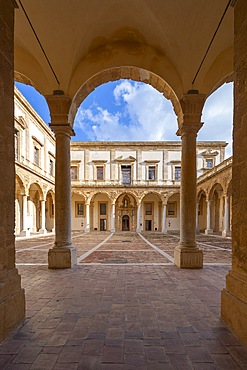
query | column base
(62,257)
(188,258)
(225,233)
(234,304)
(164,231)
(42,231)
(208,231)
(12,304)
(25,233)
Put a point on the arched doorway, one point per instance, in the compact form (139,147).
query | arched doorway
(125,223)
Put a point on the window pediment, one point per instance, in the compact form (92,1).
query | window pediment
(128,159)
(209,153)
(149,161)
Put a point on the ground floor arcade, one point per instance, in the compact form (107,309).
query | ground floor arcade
(34,205)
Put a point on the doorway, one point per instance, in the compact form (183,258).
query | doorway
(102,224)
(148,225)
(125,223)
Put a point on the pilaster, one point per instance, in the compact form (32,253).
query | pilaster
(12,299)
(234,296)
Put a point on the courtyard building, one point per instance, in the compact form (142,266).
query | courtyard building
(132,186)
(185,50)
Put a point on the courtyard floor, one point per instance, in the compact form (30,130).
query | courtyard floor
(124,306)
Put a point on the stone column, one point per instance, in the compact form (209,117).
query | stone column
(197,219)
(25,230)
(234,296)
(42,229)
(138,223)
(226,218)
(164,229)
(12,299)
(63,254)
(113,217)
(208,229)
(187,254)
(87,228)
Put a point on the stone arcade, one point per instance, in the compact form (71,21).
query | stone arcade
(114,44)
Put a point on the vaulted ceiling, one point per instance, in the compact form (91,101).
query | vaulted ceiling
(83,39)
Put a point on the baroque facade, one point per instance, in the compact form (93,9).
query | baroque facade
(132,186)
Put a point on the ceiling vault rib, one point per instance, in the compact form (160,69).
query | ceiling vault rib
(39,42)
(228,4)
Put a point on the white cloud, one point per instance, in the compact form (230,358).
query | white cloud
(218,117)
(143,114)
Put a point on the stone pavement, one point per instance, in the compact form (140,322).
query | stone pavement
(118,312)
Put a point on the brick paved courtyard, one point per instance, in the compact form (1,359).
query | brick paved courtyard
(124,306)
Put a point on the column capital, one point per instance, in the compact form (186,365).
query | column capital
(59,105)
(64,129)
(192,105)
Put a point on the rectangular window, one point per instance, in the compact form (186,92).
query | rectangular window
(177,173)
(171,209)
(100,172)
(126,175)
(36,155)
(148,209)
(209,163)
(79,209)
(74,172)
(151,173)
(16,145)
(51,167)
(102,208)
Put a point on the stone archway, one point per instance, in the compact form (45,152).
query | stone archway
(125,72)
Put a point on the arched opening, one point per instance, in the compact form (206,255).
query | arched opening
(34,212)
(126,213)
(100,208)
(173,213)
(151,212)
(129,73)
(50,211)
(202,211)
(217,208)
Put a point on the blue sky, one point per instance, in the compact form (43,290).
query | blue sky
(132,111)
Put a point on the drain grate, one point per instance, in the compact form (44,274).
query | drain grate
(116,261)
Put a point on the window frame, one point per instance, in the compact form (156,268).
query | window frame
(77,213)
(100,204)
(154,167)
(207,161)
(103,172)
(176,167)
(175,209)
(147,212)
(130,168)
